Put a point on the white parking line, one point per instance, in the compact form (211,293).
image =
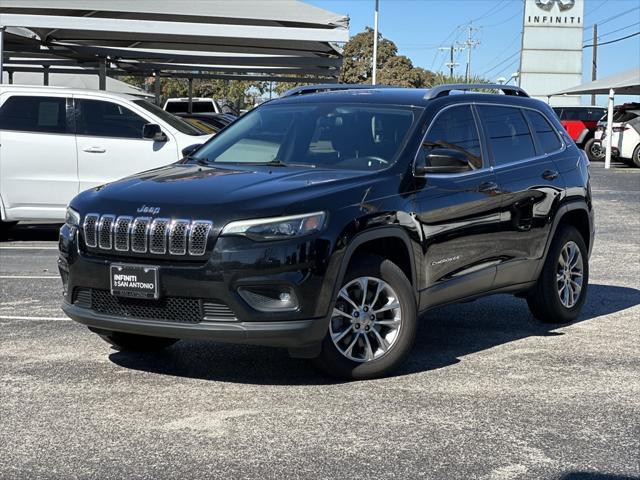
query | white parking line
(10,247)
(10,317)
(6,277)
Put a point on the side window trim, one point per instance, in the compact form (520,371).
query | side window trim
(562,148)
(485,165)
(77,113)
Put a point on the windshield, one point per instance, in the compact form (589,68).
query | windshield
(175,122)
(360,137)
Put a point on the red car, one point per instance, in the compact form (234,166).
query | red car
(580,122)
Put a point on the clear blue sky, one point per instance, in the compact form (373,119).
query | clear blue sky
(419,27)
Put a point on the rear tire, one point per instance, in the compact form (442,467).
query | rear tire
(593,149)
(129,342)
(370,338)
(561,289)
(635,160)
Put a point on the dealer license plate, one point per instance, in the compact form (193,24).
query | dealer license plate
(135,281)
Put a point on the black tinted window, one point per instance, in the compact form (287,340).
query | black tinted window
(197,107)
(455,128)
(107,119)
(547,136)
(508,134)
(583,114)
(34,114)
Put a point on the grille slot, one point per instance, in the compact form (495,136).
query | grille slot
(158,235)
(91,229)
(218,312)
(139,234)
(178,237)
(121,233)
(198,237)
(105,230)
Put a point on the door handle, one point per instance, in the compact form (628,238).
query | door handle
(489,187)
(550,175)
(94,150)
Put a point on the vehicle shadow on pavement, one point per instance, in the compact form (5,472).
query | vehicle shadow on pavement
(596,476)
(451,332)
(445,335)
(30,232)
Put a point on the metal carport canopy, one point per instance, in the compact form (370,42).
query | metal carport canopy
(625,83)
(240,33)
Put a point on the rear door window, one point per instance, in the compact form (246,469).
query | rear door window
(107,119)
(34,114)
(546,134)
(507,133)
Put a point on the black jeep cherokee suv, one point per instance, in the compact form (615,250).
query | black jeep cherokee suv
(326,221)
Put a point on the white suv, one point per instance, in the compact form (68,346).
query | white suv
(625,134)
(198,105)
(57,142)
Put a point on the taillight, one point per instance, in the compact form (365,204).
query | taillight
(620,128)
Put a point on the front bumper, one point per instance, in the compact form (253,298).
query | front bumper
(293,334)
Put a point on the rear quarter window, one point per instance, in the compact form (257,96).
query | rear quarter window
(545,133)
(34,114)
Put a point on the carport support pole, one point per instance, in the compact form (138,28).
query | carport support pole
(102,73)
(374,69)
(157,87)
(607,158)
(1,50)
(190,108)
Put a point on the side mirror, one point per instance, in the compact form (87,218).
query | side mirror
(443,160)
(152,131)
(186,151)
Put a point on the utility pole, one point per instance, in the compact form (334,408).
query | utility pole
(451,63)
(594,61)
(469,44)
(375,43)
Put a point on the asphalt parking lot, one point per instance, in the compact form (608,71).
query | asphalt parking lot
(488,393)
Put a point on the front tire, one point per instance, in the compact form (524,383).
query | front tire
(561,290)
(593,149)
(129,342)
(373,323)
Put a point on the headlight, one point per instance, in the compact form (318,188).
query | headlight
(72,217)
(278,228)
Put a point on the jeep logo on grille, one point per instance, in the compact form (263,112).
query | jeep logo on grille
(149,210)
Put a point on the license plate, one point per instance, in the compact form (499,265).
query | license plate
(135,281)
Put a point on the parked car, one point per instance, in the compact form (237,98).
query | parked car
(625,133)
(199,105)
(580,122)
(210,123)
(327,222)
(56,142)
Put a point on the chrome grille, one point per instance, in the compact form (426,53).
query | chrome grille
(105,231)
(90,229)
(178,237)
(146,235)
(198,235)
(139,234)
(121,233)
(158,236)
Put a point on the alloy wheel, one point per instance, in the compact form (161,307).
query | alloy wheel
(569,274)
(366,319)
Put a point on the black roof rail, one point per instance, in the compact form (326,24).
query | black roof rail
(328,87)
(444,90)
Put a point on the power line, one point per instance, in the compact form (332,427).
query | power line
(598,7)
(504,21)
(510,57)
(613,41)
(489,12)
(611,18)
(618,30)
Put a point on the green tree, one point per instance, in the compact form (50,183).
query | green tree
(358,55)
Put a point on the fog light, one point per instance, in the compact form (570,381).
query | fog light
(270,299)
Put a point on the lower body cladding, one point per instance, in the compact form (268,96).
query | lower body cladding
(242,292)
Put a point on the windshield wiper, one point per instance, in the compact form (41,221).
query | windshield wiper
(279,163)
